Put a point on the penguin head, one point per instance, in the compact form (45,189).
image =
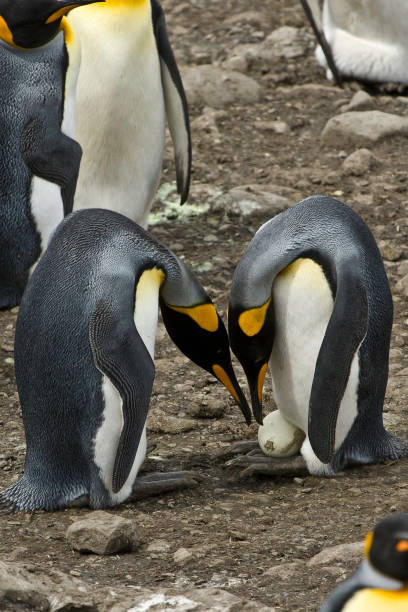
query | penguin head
(251,337)
(387,547)
(200,334)
(31,23)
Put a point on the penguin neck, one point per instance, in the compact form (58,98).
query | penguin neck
(147,305)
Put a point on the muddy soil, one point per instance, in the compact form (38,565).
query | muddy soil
(241,528)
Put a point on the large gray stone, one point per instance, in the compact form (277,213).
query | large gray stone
(342,553)
(103,533)
(217,88)
(363,128)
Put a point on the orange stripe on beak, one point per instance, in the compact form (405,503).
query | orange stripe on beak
(223,377)
(261,380)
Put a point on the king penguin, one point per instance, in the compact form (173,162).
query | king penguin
(361,40)
(380,583)
(39,160)
(84,353)
(310,296)
(128,83)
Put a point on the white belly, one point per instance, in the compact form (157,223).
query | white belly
(303,305)
(368,39)
(107,436)
(121,113)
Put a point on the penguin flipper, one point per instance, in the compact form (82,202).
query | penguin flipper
(120,354)
(321,39)
(175,101)
(50,154)
(345,332)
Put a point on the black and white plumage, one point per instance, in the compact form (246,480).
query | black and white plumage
(84,355)
(39,160)
(310,297)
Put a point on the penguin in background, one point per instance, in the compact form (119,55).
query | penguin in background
(310,298)
(84,353)
(39,160)
(381,581)
(361,40)
(128,84)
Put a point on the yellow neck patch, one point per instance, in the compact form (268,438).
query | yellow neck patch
(223,377)
(251,321)
(377,600)
(154,277)
(68,30)
(61,12)
(5,33)
(204,315)
(367,543)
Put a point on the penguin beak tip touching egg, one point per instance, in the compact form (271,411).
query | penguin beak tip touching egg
(199,333)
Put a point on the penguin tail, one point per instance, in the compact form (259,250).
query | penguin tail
(380,448)
(12,499)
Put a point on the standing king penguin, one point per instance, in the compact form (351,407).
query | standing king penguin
(128,83)
(310,297)
(84,355)
(39,161)
(380,583)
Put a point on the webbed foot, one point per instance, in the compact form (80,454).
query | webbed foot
(162,482)
(254,462)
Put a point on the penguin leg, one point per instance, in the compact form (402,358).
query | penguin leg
(255,463)
(50,154)
(162,482)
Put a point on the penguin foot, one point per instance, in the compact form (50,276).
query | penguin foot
(162,482)
(243,448)
(255,463)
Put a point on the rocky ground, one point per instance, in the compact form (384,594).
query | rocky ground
(268,129)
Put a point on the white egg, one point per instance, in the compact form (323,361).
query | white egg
(279,438)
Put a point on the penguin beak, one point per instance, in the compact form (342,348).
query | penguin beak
(228,379)
(66,6)
(256,381)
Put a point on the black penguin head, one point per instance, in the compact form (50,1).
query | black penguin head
(251,333)
(199,333)
(387,547)
(32,23)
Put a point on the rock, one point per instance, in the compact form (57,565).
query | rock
(218,88)
(103,533)
(17,587)
(402,285)
(278,127)
(359,162)
(363,128)
(247,199)
(207,408)
(288,42)
(159,422)
(340,553)
(158,546)
(183,556)
(360,101)
(207,123)
(200,600)
(388,251)
(403,267)
(285,571)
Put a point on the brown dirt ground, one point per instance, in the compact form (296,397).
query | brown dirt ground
(242,527)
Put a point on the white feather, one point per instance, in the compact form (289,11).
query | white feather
(303,304)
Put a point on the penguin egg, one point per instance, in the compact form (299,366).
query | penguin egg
(279,438)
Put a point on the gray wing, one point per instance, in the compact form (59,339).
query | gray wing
(175,101)
(121,355)
(49,153)
(345,332)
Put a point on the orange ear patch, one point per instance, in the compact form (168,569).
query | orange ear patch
(204,315)
(60,13)
(5,33)
(251,321)
(402,546)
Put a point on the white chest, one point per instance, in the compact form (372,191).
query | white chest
(303,305)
